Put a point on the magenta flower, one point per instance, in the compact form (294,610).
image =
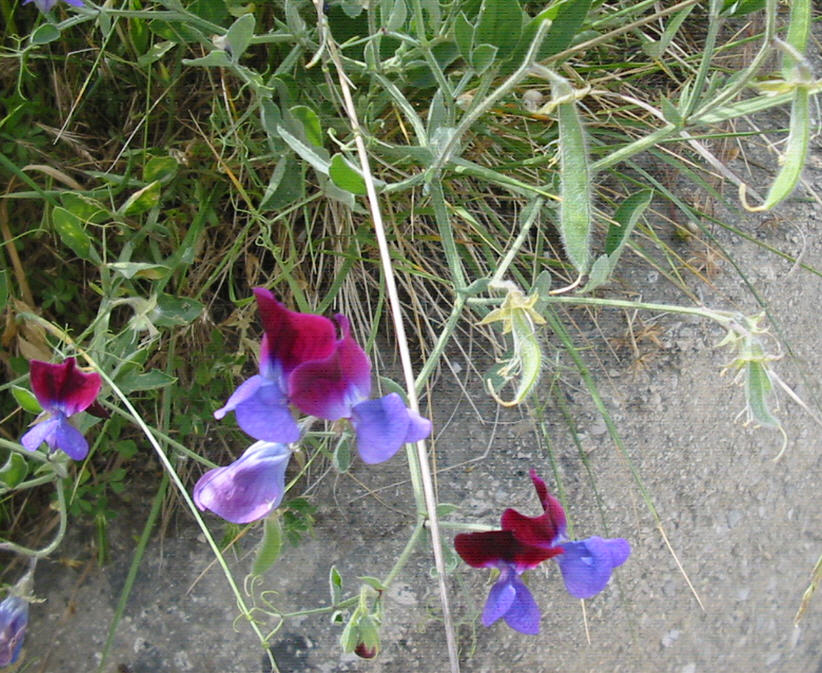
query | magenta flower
(290,339)
(47,5)
(14,616)
(523,543)
(62,391)
(250,488)
(338,386)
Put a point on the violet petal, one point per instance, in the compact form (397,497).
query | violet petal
(383,426)
(586,565)
(248,489)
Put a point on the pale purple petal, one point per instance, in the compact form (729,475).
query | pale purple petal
(250,488)
(14,616)
(418,427)
(586,565)
(523,615)
(58,433)
(42,432)
(245,390)
(382,426)
(500,598)
(262,411)
(70,440)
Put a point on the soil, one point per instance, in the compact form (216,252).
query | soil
(746,530)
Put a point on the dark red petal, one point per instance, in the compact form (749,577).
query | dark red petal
(63,387)
(550,504)
(330,388)
(294,338)
(497,547)
(536,531)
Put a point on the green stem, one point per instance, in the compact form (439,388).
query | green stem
(58,538)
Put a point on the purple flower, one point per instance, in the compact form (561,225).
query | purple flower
(47,5)
(62,391)
(14,616)
(509,597)
(523,543)
(290,339)
(250,488)
(338,386)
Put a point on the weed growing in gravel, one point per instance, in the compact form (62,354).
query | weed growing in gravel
(421,168)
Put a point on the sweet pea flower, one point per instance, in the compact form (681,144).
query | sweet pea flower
(338,387)
(62,391)
(586,565)
(47,5)
(290,339)
(509,598)
(248,489)
(14,616)
(523,543)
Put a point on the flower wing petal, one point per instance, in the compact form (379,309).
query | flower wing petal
(248,489)
(523,615)
(500,599)
(382,426)
(42,432)
(69,439)
(586,565)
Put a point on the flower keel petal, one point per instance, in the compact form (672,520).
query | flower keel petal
(248,489)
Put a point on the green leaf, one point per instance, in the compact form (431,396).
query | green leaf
(799,29)
(214,59)
(85,207)
(316,156)
(159,169)
(757,388)
(464,36)
(26,399)
(132,381)
(335,585)
(281,193)
(311,124)
(239,35)
(156,52)
(346,177)
(793,158)
(174,311)
(14,471)
(341,460)
(72,233)
(142,200)
(482,57)
(139,270)
(575,177)
(742,7)
(45,33)
(375,583)
(271,545)
(500,25)
(397,17)
(625,219)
